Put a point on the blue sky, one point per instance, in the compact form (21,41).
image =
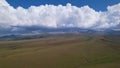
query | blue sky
(98,5)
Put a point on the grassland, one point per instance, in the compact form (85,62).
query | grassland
(81,51)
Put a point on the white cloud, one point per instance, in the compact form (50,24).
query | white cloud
(110,18)
(58,16)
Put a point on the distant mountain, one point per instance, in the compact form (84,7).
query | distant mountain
(113,32)
(37,32)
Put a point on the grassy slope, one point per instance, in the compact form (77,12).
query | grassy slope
(60,52)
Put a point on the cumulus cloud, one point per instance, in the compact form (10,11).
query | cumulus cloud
(52,16)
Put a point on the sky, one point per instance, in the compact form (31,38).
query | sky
(19,15)
(98,5)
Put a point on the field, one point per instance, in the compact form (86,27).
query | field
(80,51)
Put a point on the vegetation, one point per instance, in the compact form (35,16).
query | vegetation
(80,51)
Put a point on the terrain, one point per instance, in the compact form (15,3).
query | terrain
(62,51)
